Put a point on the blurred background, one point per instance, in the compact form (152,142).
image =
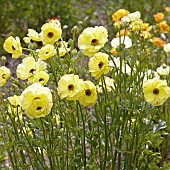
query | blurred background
(16,16)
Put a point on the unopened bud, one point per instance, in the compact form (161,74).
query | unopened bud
(75,30)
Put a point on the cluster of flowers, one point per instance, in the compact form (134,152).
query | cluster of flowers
(155,90)
(36,100)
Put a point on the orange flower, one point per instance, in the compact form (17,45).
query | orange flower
(158,42)
(123,32)
(119,14)
(167,9)
(159,17)
(164,27)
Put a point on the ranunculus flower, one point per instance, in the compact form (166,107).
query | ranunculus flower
(5,73)
(88,96)
(156,92)
(92,39)
(36,101)
(12,45)
(70,86)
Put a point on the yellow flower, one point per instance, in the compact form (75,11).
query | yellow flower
(88,96)
(99,64)
(51,32)
(29,67)
(119,14)
(164,27)
(146,27)
(15,111)
(158,42)
(12,45)
(70,86)
(14,100)
(137,25)
(156,92)
(159,17)
(46,52)
(33,35)
(40,77)
(113,51)
(36,101)
(63,48)
(145,34)
(4,75)
(92,40)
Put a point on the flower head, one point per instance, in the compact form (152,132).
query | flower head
(92,39)
(63,48)
(4,75)
(158,42)
(156,92)
(46,52)
(41,77)
(167,48)
(33,35)
(159,17)
(29,67)
(119,14)
(163,70)
(125,40)
(132,17)
(88,96)
(14,100)
(12,45)
(164,27)
(51,32)
(70,86)
(99,64)
(36,101)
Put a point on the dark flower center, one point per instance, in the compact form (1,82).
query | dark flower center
(3,76)
(50,34)
(39,108)
(13,47)
(94,42)
(70,87)
(100,65)
(41,79)
(32,71)
(88,92)
(156,91)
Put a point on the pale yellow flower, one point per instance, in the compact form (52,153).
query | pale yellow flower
(14,100)
(36,101)
(99,64)
(5,73)
(70,86)
(29,67)
(12,45)
(46,52)
(63,48)
(92,39)
(33,35)
(156,92)
(88,96)
(41,77)
(135,16)
(51,32)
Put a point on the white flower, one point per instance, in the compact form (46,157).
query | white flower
(167,48)
(163,70)
(132,17)
(115,43)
